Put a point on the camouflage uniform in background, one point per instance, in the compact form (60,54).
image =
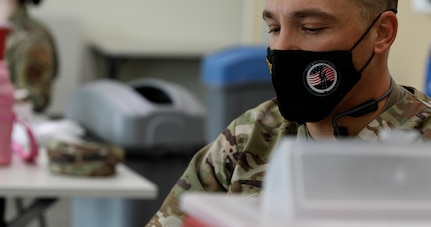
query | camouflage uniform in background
(83,158)
(236,161)
(32,58)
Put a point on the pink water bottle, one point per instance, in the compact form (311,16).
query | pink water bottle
(7,115)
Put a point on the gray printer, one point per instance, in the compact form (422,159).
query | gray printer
(144,113)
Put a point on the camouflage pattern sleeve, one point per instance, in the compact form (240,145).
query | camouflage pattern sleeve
(33,68)
(233,163)
(205,172)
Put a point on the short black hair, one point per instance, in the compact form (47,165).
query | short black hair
(371,8)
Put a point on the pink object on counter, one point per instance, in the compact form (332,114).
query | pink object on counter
(7,114)
(4,31)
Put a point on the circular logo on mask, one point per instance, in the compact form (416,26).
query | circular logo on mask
(321,78)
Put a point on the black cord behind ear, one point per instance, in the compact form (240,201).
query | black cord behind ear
(357,111)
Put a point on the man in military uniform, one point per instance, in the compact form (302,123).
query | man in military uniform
(31,54)
(328,62)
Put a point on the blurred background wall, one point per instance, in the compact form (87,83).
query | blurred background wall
(411,49)
(204,25)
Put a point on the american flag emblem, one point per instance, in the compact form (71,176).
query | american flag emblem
(321,78)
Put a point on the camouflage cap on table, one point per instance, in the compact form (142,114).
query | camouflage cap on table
(83,159)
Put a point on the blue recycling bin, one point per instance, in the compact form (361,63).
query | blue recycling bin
(428,76)
(236,79)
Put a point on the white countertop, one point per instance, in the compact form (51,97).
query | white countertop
(24,179)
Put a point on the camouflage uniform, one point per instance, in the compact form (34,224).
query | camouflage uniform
(31,57)
(236,161)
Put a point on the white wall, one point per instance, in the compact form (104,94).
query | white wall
(192,20)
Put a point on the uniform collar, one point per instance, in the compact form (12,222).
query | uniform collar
(395,96)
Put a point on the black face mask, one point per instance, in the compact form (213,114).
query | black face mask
(309,85)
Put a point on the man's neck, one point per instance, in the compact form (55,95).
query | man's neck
(353,125)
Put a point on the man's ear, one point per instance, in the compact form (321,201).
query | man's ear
(386,32)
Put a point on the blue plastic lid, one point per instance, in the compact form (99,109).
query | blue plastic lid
(236,65)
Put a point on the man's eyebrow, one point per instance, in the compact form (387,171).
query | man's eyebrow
(301,14)
(267,15)
(312,13)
